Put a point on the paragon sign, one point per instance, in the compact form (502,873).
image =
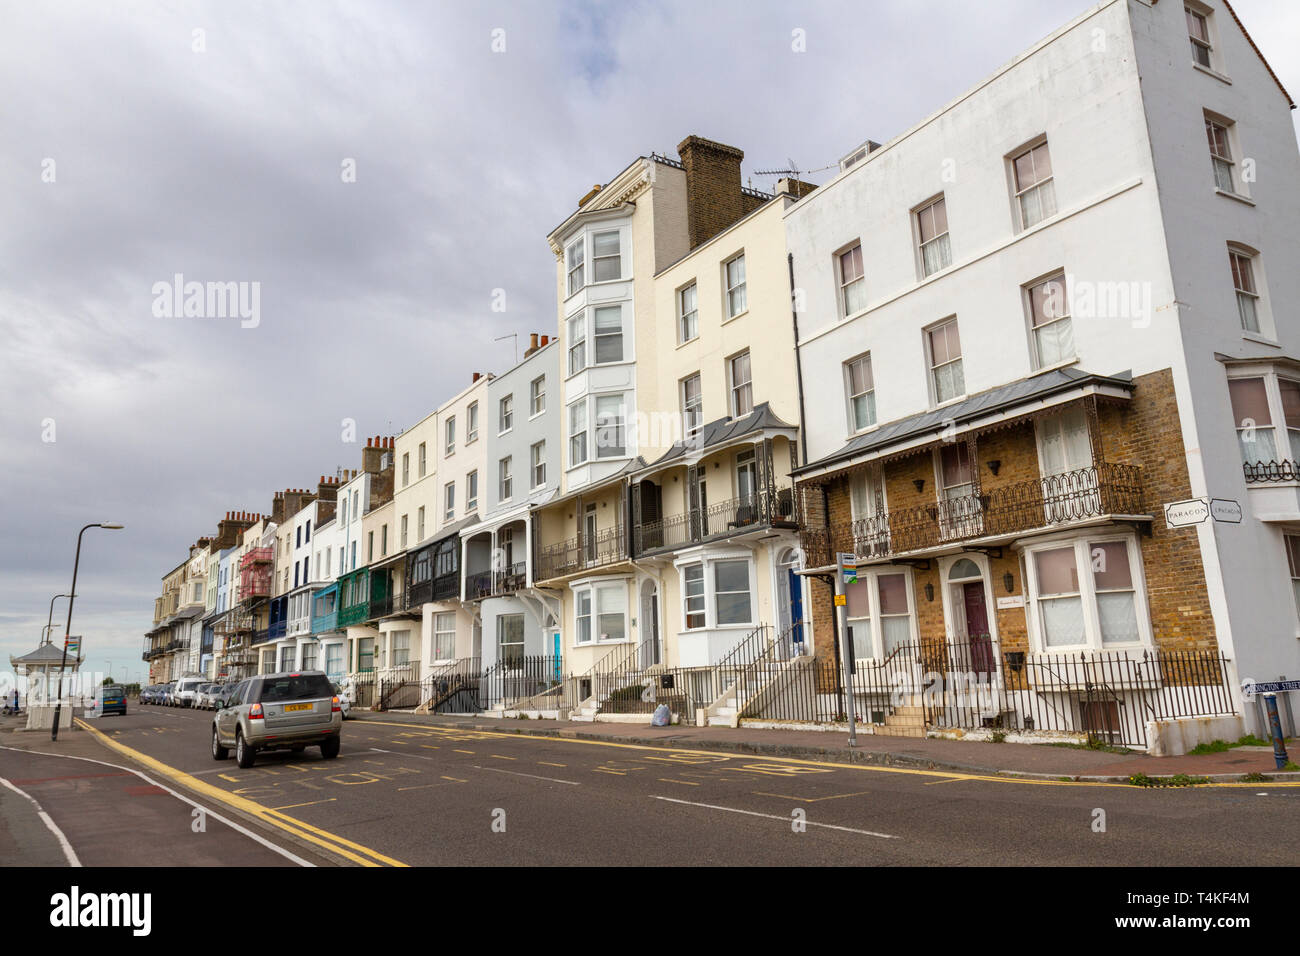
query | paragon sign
(1181,514)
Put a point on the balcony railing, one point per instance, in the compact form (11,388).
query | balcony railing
(484,584)
(381,606)
(1098,490)
(581,553)
(255,574)
(721,519)
(1260,471)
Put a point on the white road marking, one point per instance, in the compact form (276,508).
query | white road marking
(572,783)
(181,797)
(68,853)
(776,816)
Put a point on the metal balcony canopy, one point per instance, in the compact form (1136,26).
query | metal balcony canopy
(721,431)
(1004,398)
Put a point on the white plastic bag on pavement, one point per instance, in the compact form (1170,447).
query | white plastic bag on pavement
(662,717)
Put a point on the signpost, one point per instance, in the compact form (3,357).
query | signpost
(846,573)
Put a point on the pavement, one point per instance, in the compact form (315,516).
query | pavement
(1043,761)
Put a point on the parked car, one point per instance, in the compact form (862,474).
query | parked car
(113,699)
(285,711)
(205,695)
(167,696)
(344,694)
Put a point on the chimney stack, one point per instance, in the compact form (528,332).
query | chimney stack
(713,197)
(532,344)
(372,455)
(477,376)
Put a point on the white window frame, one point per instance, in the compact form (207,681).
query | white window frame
(471,423)
(594,590)
(932,367)
(578,436)
(1207,45)
(449,432)
(537,396)
(471,491)
(1043,187)
(505,479)
(506,414)
(733,386)
(1061,292)
(576,351)
(690,425)
(596,260)
(1286,445)
(693,314)
(875,637)
(575,260)
(419,523)
(619,426)
(449,501)
(1223,151)
(1088,593)
(422,463)
(537,464)
(706,602)
(443,633)
(869,393)
(739,290)
(1258,301)
(595,335)
(850,284)
(940,241)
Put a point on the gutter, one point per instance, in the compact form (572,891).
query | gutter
(798,361)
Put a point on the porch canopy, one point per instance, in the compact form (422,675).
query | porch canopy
(720,433)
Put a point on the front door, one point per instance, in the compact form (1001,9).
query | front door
(977,627)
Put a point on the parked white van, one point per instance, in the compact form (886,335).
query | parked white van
(186,691)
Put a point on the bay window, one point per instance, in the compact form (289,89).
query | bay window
(717,591)
(881,615)
(510,639)
(444,636)
(575,258)
(600,612)
(607,333)
(605,257)
(577,344)
(578,433)
(611,427)
(1085,594)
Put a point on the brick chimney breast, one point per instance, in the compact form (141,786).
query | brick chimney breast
(713,197)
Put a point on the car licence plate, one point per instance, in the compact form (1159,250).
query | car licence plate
(289,707)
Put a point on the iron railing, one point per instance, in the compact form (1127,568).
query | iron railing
(582,552)
(721,519)
(1108,696)
(686,691)
(1285,470)
(453,688)
(517,678)
(482,584)
(399,686)
(1103,489)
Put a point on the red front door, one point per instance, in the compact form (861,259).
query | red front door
(977,627)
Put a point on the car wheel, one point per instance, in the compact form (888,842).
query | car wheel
(218,752)
(243,752)
(330,748)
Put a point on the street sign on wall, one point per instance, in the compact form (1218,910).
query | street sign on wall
(1182,514)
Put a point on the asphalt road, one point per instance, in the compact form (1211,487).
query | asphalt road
(411,793)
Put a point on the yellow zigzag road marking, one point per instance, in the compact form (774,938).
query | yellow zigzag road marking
(364,856)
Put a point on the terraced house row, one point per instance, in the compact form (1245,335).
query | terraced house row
(977,364)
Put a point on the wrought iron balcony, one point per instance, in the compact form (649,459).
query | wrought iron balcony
(484,584)
(1261,471)
(1040,503)
(582,553)
(722,519)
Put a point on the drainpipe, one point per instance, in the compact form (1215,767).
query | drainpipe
(798,362)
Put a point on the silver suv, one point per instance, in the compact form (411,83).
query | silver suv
(277,712)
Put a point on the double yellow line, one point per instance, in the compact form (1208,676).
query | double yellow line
(331,842)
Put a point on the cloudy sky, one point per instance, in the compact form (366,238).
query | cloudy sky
(211,140)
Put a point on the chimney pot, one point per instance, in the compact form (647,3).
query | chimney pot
(475,378)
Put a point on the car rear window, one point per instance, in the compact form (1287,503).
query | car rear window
(300,687)
(114,690)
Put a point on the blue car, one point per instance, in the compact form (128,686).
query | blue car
(114,699)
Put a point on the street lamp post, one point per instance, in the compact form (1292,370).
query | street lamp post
(49,623)
(67,633)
